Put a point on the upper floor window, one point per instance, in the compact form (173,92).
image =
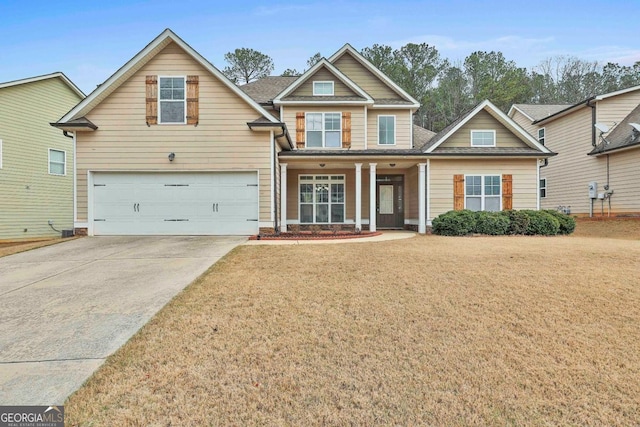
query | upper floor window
(172,100)
(386,130)
(323,130)
(483,138)
(482,192)
(57,162)
(322,88)
(541,136)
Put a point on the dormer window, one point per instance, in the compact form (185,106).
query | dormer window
(483,138)
(322,88)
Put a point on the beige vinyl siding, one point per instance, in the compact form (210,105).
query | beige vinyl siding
(483,121)
(339,88)
(569,173)
(616,108)
(525,193)
(412,197)
(30,196)
(221,141)
(525,123)
(624,180)
(364,78)
(403,128)
(357,121)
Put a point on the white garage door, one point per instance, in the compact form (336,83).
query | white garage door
(217,203)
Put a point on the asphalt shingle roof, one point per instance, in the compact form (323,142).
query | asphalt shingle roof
(421,136)
(267,88)
(540,111)
(622,136)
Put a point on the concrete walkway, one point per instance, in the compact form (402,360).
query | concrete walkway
(65,308)
(385,236)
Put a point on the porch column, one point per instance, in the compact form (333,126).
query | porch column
(422,221)
(372,196)
(358,196)
(283,197)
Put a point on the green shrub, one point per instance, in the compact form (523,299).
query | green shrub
(518,221)
(492,223)
(567,223)
(454,223)
(543,223)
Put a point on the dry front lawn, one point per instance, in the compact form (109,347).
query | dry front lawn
(426,331)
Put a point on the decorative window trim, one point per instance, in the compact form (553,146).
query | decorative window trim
(322,179)
(482,194)
(323,83)
(63,163)
(394,129)
(323,130)
(543,188)
(492,131)
(160,100)
(541,138)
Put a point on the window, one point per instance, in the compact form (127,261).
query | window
(483,192)
(57,162)
(543,188)
(172,100)
(386,130)
(322,88)
(483,138)
(321,199)
(323,130)
(541,136)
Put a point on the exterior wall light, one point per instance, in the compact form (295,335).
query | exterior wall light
(171,156)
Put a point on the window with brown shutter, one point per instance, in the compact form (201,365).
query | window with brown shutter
(458,192)
(300,129)
(346,130)
(192,100)
(507,192)
(152,100)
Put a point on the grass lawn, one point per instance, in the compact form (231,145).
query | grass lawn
(14,247)
(425,331)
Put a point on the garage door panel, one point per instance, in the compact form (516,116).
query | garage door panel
(173,204)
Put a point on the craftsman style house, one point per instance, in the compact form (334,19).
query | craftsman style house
(169,145)
(36,175)
(596,171)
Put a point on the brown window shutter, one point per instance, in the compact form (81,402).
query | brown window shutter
(300,134)
(458,192)
(346,130)
(507,192)
(192,100)
(152,100)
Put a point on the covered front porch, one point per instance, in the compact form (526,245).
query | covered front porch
(353,193)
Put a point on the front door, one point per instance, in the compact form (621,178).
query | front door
(390,201)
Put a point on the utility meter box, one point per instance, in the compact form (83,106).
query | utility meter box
(593,190)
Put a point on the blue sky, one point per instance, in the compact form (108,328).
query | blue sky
(88,41)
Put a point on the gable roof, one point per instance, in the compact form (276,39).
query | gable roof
(585,103)
(622,137)
(58,75)
(347,48)
(487,106)
(323,63)
(535,112)
(139,60)
(421,136)
(265,89)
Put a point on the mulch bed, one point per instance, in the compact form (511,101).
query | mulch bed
(307,235)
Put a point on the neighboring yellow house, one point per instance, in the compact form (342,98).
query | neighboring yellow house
(595,172)
(169,145)
(36,161)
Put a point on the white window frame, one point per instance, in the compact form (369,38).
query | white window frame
(323,82)
(306,129)
(329,181)
(160,100)
(541,139)
(542,187)
(483,130)
(394,129)
(64,163)
(482,194)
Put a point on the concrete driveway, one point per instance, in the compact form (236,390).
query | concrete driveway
(65,308)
